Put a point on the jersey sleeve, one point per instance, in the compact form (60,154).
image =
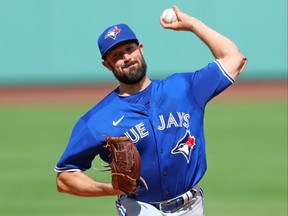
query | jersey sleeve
(80,151)
(210,81)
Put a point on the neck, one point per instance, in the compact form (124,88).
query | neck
(127,90)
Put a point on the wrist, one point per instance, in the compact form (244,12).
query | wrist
(113,190)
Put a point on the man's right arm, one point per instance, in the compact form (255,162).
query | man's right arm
(79,184)
(221,47)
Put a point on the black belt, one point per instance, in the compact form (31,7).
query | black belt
(176,203)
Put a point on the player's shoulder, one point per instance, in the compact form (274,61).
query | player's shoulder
(177,78)
(186,77)
(104,103)
(215,67)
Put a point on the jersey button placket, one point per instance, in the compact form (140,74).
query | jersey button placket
(166,191)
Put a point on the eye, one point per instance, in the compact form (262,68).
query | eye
(116,56)
(130,49)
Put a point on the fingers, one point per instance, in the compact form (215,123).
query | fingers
(165,25)
(172,25)
(184,21)
(176,10)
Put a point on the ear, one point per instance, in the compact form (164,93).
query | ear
(140,46)
(107,65)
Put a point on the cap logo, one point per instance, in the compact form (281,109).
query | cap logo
(112,33)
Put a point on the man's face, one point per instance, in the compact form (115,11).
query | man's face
(127,62)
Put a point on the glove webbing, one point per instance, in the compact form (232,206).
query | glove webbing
(132,179)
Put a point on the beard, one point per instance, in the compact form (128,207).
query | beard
(137,71)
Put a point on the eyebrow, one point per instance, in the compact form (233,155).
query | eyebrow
(122,44)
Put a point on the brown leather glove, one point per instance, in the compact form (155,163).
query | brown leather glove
(125,165)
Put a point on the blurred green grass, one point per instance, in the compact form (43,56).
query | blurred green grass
(246,149)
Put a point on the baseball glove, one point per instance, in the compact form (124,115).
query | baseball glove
(125,164)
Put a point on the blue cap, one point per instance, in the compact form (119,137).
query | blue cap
(114,35)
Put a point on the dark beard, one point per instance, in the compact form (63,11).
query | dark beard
(133,77)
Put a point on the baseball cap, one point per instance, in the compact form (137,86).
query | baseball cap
(114,35)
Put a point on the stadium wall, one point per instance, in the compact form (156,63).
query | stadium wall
(55,42)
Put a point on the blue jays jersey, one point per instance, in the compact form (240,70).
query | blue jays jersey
(168,131)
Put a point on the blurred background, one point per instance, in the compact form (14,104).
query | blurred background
(51,74)
(55,42)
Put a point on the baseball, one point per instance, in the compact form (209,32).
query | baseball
(169,15)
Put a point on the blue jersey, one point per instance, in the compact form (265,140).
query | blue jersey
(166,125)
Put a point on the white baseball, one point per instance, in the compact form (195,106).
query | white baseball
(169,15)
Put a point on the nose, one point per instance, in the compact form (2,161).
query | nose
(126,57)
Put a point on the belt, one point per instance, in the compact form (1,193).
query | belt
(176,203)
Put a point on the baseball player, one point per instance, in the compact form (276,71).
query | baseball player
(163,118)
